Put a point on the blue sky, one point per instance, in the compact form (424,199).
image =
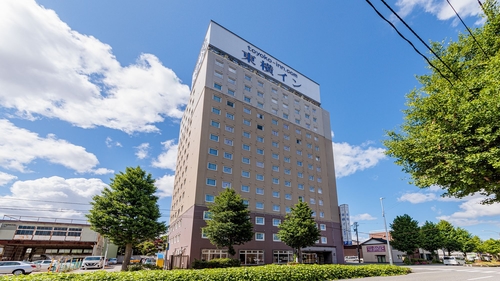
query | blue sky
(88,88)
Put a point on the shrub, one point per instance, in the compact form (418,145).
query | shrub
(140,266)
(216,263)
(262,273)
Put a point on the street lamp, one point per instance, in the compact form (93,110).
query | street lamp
(386,233)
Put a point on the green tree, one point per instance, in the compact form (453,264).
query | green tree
(450,242)
(464,239)
(450,136)
(230,221)
(430,238)
(492,247)
(127,212)
(298,230)
(405,234)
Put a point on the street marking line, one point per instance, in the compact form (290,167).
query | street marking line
(480,278)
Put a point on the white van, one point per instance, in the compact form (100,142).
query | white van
(450,260)
(93,262)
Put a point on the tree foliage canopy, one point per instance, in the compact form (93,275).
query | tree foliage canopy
(230,221)
(405,234)
(127,212)
(448,233)
(431,238)
(451,133)
(299,229)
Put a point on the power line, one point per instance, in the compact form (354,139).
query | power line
(409,42)
(470,32)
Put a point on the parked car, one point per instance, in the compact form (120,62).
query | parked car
(352,259)
(93,262)
(16,267)
(112,261)
(149,261)
(135,260)
(450,260)
(43,265)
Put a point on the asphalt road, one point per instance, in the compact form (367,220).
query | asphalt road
(442,273)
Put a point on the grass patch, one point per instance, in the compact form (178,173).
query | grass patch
(260,273)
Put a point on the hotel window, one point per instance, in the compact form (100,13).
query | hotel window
(260,116)
(260,139)
(299,152)
(259,191)
(320,190)
(245,174)
(217,86)
(276,222)
(297,111)
(215,124)
(229,116)
(312,201)
(285,105)
(301,199)
(230,103)
(275,144)
(276,194)
(276,181)
(274,100)
(245,188)
(275,122)
(319,180)
(318,169)
(261,84)
(248,78)
(286,137)
(211,182)
(213,151)
(260,94)
(300,186)
(214,137)
(298,131)
(274,111)
(313,214)
(259,236)
(316,139)
(300,174)
(286,127)
(228,155)
(311,188)
(218,63)
(233,70)
(287,159)
(245,160)
(288,172)
(227,170)
(315,119)
(230,129)
(276,237)
(316,148)
(247,110)
(259,205)
(231,80)
(285,115)
(321,214)
(260,164)
(246,147)
(260,105)
(299,141)
(317,158)
(287,210)
(309,145)
(288,196)
(310,166)
(307,116)
(286,148)
(276,168)
(245,202)
(309,155)
(260,127)
(259,177)
(308,135)
(274,90)
(228,142)
(212,166)
(299,163)
(288,183)
(276,208)
(247,88)
(218,74)
(259,220)
(209,198)
(320,202)
(314,110)
(247,122)
(230,92)
(276,156)
(247,99)
(297,121)
(216,98)
(226,184)
(275,133)
(322,227)
(285,96)
(246,134)
(323,240)
(207,215)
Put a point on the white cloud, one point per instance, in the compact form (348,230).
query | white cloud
(363,217)
(76,78)
(76,192)
(6,178)
(102,171)
(165,185)
(142,150)
(350,159)
(19,147)
(471,212)
(416,198)
(440,9)
(166,160)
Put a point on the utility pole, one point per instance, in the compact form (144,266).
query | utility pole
(357,240)
(386,233)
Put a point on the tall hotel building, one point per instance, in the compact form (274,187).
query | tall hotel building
(253,124)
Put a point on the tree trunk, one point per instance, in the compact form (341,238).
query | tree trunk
(299,258)
(128,255)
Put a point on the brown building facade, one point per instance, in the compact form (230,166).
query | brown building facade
(255,125)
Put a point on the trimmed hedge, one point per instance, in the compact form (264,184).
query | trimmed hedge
(216,263)
(260,273)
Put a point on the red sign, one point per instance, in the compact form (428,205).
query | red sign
(375,248)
